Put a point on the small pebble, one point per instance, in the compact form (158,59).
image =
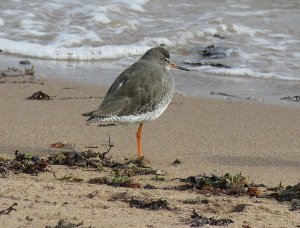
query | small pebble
(159,172)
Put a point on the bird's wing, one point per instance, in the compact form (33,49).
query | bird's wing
(131,91)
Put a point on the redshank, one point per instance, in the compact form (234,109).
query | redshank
(141,93)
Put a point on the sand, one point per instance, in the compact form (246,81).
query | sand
(207,135)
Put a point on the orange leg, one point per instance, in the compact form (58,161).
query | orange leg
(139,141)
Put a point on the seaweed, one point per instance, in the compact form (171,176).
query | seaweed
(39,95)
(213,51)
(289,98)
(26,163)
(195,201)
(287,194)
(176,162)
(117,181)
(225,184)
(159,178)
(149,204)
(149,186)
(62,224)
(197,220)
(8,210)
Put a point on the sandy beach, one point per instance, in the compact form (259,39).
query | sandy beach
(206,135)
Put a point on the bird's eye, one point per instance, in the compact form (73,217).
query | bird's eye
(166,60)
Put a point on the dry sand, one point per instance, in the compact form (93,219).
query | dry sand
(207,135)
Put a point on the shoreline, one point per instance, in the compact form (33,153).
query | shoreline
(195,83)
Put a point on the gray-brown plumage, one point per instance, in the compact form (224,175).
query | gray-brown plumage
(140,93)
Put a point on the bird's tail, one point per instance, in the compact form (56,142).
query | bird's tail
(91,119)
(88,113)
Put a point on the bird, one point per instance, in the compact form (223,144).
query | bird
(141,93)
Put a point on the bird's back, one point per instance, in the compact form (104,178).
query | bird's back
(140,93)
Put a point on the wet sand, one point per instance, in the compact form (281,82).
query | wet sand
(207,135)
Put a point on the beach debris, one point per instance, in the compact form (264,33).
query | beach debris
(92,194)
(149,186)
(110,146)
(159,172)
(213,51)
(131,169)
(159,178)
(121,196)
(25,62)
(85,158)
(277,188)
(62,224)
(149,204)
(39,96)
(246,226)
(254,191)
(176,162)
(190,201)
(72,158)
(98,160)
(8,210)
(28,219)
(14,72)
(117,181)
(195,201)
(92,147)
(221,65)
(107,125)
(239,208)
(288,194)
(226,184)
(62,145)
(197,220)
(25,163)
(3,170)
(3,167)
(229,95)
(68,177)
(295,204)
(289,98)
(219,36)
(204,201)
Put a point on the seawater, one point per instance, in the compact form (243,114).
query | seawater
(95,40)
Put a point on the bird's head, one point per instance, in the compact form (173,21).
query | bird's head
(162,56)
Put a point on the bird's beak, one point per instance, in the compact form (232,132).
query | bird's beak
(174,66)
